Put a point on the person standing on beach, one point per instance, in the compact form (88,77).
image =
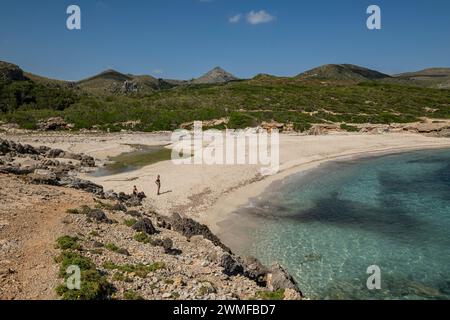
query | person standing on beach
(158,183)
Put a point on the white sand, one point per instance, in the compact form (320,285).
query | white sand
(210,193)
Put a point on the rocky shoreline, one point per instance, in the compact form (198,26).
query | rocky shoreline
(138,252)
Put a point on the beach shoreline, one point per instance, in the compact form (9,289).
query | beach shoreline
(231,202)
(208,193)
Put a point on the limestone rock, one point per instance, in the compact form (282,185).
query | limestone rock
(279,278)
(52,124)
(230,266)
(145,225)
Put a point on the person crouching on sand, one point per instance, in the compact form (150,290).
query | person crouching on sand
(158,183)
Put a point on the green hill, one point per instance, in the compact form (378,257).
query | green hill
(113,82)
(342,72)
(351,95)
(433,77)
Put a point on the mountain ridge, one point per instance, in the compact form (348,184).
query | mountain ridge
(114,82)
(215,76)
(342,72)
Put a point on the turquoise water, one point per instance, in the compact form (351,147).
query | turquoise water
(328,226)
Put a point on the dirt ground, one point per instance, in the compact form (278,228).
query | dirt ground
(32,217)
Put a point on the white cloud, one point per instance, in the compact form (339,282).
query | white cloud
(235,18)
(259,17)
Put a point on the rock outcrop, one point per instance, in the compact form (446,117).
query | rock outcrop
(41,166)
(278,278)
(53,124)
(145,225)
(189,228)
(11,72)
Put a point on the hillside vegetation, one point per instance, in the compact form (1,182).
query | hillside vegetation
(300,101)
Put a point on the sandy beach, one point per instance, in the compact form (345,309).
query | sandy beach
(209,192)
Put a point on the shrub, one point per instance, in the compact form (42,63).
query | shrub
(68,242)
(142,237)
(129,222)
(239,120)
(112,247)
(93,286)
(70,258)
(269,295)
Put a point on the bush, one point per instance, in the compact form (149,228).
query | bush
(93,286)
(112,247)
(142,237)
(269,295)
(70,258)
(129,222)
(68,242)
(239,120)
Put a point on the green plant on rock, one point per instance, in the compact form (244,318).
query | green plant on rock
(129,222)
(271,295)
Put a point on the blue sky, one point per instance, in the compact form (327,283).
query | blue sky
(185,38)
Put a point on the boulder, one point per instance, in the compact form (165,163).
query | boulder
(40,176)
(98,216)
(80,184)
(134,213)
(54,153)
(10,146)
(162,223)
(118,206)
(145,225)
(16,170)
(52,124)
(189,228)
(166,243)
(255,270)
(122,197)
(4,147)
(42,149)
(278,278)
(231,267)
(87,161)
(134,201)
